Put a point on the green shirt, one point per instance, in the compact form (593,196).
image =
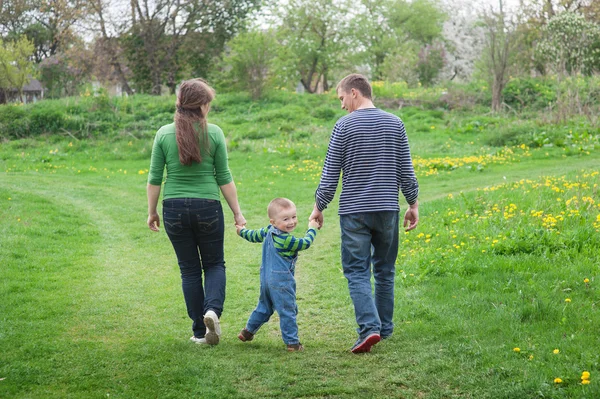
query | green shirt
(198,180)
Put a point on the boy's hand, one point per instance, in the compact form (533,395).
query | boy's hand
(238,228)
(313,224)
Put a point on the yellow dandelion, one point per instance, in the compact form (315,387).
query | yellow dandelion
(585,382)
(517,350)
(568,300)
(585,280)
(556,351)
(530,357)
(558,380)
(585,375)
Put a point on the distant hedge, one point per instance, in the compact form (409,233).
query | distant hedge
(87,116)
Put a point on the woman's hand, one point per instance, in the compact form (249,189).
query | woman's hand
(240,220)
(154,221)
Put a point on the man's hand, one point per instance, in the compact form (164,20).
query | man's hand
(317,216)
(411,217)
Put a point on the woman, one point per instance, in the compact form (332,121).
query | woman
(195,155)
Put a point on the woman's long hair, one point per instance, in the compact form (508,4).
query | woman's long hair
(190,119)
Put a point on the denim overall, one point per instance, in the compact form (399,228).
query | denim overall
(277,292)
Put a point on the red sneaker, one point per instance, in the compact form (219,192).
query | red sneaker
(364,345)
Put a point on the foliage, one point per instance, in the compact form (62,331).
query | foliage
(533,93)
(248,63)
(432,59)
(462,37)
(16,68)
(161,29)
(500,42)
(570,44)
(64,74)
(311,34)
(393,35)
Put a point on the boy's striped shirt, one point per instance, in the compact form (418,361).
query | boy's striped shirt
(286,244)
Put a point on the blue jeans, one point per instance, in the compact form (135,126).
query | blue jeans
(277,293)
(196,229)
(371,239)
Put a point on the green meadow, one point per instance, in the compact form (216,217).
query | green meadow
(496,290)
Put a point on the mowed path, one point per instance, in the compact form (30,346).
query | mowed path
(112,304)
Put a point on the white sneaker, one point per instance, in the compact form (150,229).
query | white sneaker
(198,340)
(213,328)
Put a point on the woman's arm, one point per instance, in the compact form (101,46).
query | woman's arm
(230,193)
(153,218)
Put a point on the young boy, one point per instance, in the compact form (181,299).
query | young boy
(277,283)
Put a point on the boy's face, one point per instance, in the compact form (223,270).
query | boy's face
(285,219)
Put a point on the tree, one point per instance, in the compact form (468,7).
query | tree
(463,39)
(107,46)
(63,74)
(570,45)
(534,16)
(15,15)
(248,63)
(399,29)
(312,36)
(500,40)
(16,67)
(160,30)
(53,30)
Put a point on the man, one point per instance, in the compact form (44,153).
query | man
(370,148)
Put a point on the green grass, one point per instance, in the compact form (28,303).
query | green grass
(91,304)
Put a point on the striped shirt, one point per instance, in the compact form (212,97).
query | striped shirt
(286,244)
(369,147)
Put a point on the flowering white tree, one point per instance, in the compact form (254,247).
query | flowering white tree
(464,39)
(570,44)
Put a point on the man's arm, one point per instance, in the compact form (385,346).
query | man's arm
(330,176)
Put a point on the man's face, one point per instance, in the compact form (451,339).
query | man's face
(347,99)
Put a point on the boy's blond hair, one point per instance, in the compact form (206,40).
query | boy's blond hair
(277,204)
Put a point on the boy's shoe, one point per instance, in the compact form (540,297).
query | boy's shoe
(245,335)
(198,340)
(365,344)
(295,347)
(213,328)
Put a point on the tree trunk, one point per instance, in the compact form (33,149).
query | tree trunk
(497,94)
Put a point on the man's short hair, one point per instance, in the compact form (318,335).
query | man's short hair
(278,204)
(358,82)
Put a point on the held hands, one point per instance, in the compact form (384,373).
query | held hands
(316,216)
(154,221)
(239,228)
(313,224)
(240,222)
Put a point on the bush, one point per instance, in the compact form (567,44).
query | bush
(324,112)
(536,93)
(48,118)
(13,121)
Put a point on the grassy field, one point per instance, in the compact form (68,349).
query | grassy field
(497,289)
